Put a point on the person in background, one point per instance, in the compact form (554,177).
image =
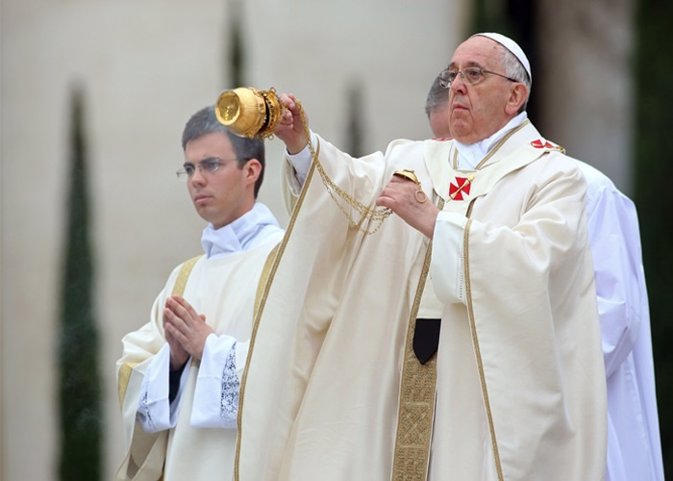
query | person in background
(634,445)
(179,374)
(437,109)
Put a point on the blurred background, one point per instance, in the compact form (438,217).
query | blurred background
(93,98)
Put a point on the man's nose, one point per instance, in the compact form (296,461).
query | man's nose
(197,177)
(459,84)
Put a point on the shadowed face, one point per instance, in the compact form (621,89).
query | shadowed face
(439,121)
(477,111)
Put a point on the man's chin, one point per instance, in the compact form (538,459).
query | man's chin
(203,212)
(460,132)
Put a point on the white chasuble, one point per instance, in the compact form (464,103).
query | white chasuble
(520,390)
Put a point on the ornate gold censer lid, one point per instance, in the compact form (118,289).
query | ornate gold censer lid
(249,112)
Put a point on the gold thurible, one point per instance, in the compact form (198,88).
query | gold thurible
(249,112)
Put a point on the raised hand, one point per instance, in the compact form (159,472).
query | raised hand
(290,128)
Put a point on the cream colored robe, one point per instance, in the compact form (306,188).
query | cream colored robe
(521,385)
(223,289)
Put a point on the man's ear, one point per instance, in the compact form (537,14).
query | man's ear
(253,169)
(517,97)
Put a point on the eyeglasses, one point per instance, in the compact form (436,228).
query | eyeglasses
(208,166)
(471,75)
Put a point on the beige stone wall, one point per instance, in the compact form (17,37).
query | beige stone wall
(145,66)
(585,77)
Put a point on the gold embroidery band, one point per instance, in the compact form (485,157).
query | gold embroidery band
(417,402)
(183,275)
(418,388)
(123,378)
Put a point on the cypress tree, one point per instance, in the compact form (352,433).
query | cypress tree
(516,19)
(354,120)
(235,58)
(79,387)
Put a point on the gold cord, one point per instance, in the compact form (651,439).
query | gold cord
(343,199)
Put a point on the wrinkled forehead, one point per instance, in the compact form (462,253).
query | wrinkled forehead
(481,51)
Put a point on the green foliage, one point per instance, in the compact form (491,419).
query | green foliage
(654,196)
(490,16)
(235,60)
(80,393)
(515,19)
(354,120)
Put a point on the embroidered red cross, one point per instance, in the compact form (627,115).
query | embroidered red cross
(462,186)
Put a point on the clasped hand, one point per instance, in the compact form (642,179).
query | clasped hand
(186,331)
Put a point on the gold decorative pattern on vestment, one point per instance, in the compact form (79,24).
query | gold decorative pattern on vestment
(183,275)
(477,350)
(417,399)
(123,377)
(418,384)
(124,374)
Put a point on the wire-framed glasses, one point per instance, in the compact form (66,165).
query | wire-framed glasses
(471,75)
(205,166)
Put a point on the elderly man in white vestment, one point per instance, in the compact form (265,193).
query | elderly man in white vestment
(456,339)
(634,446)
(179,374)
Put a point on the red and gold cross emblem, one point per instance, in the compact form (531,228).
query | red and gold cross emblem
(460,188)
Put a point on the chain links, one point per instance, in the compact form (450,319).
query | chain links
(343,199)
